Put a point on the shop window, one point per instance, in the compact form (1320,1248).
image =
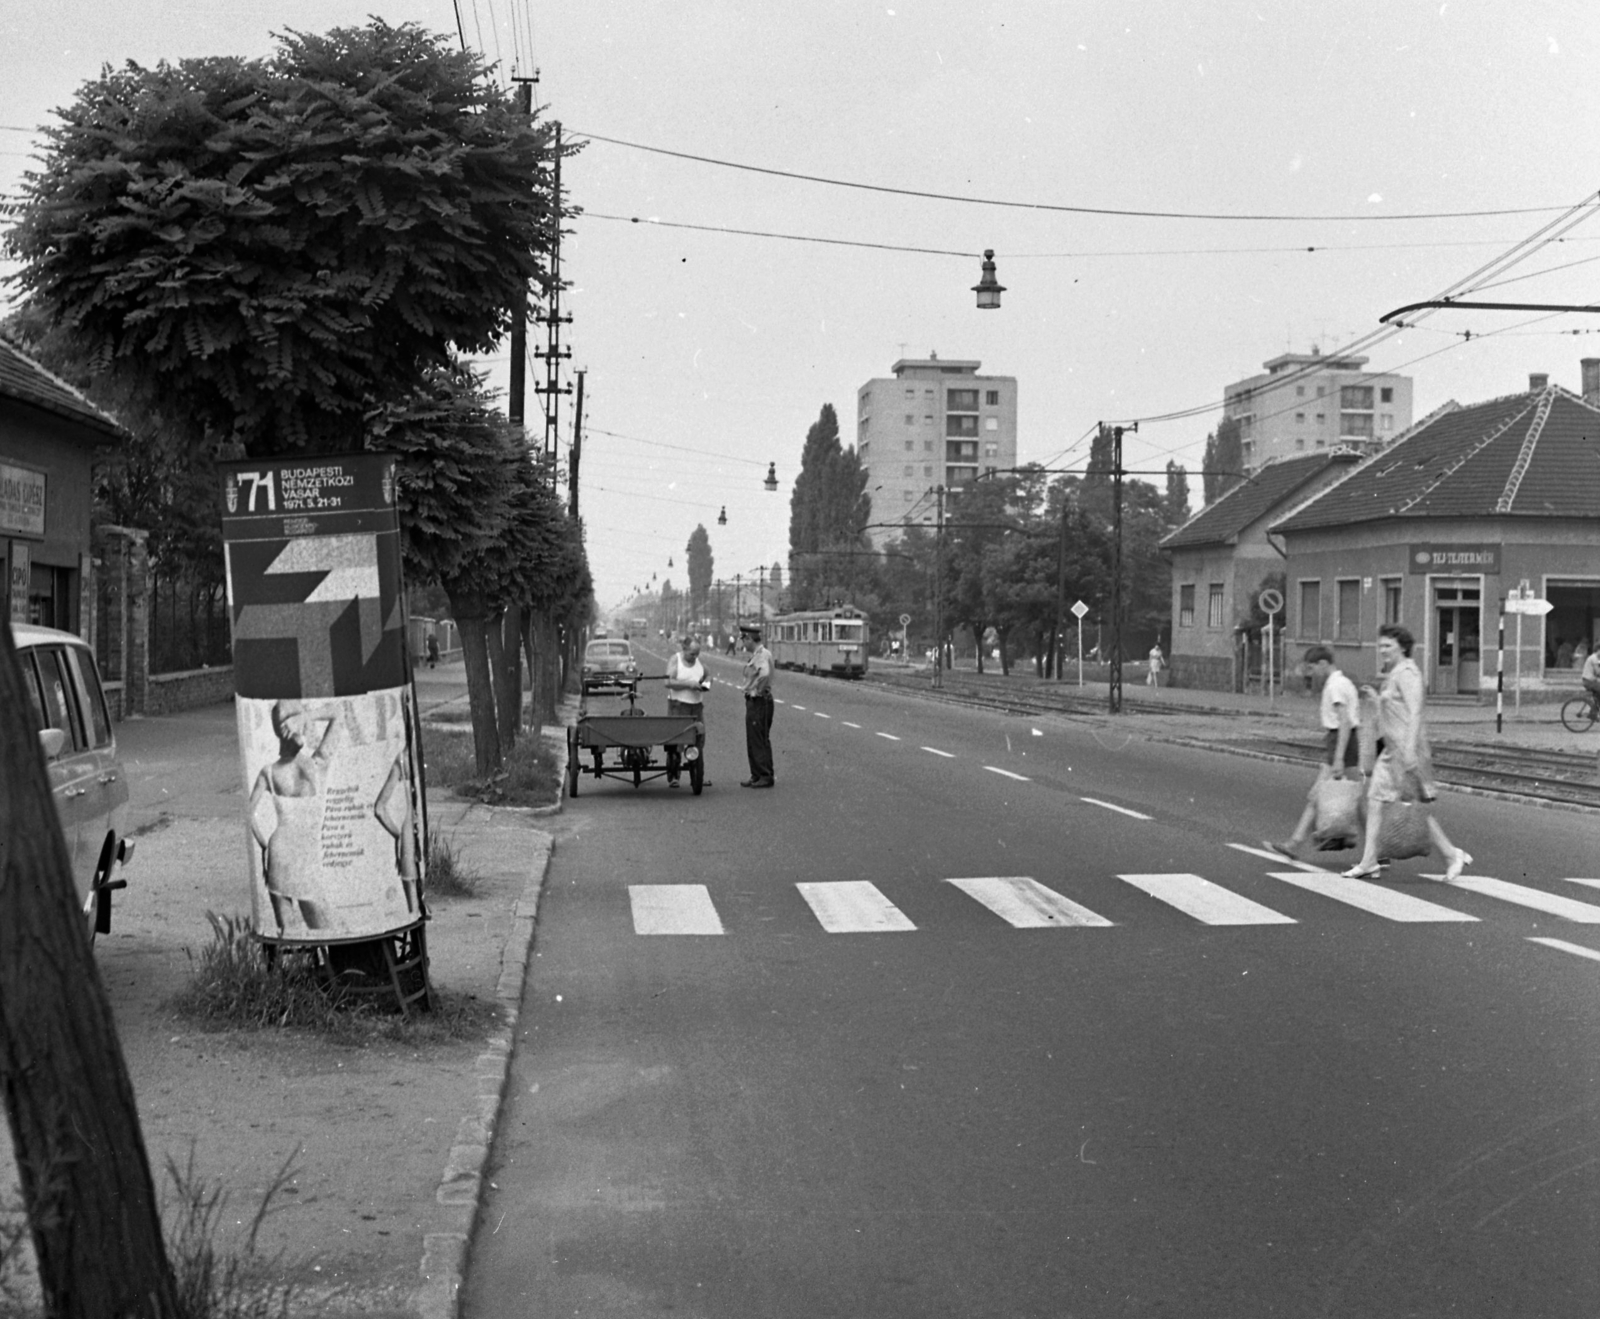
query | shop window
(1310,610)
(1348,624)
(1186,606)
(1214,605)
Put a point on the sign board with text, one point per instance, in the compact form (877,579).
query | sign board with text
(328,735)
(1454,558)
(21,501)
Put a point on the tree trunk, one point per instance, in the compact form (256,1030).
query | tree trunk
(511,697)
(550,663)
(471,613)
(500,678)
(1001,634)
(85,1173)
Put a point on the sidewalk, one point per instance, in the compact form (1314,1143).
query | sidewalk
(388,1141)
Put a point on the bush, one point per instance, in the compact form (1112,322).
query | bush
(531,777)
(447,876)
(235,988)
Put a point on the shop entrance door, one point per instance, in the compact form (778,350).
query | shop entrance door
(1457,662)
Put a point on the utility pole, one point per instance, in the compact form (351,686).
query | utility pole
(1115,685)
(553,352)
(577,452)
(1061,587)
(516,400)
(938,591)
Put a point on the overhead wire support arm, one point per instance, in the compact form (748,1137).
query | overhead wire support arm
(1440,303)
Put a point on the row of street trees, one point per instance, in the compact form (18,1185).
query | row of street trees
(1016,548)
(260,258)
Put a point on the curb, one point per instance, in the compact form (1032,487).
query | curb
(460,1193)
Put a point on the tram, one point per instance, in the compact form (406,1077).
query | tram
(820,641)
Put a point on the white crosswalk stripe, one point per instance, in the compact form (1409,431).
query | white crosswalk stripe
(853,907)
(1027,904)
(1370,897)
(858,906)
(673,909)
(1209,903)
(1585,913)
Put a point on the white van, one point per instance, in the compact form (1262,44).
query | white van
(80,750)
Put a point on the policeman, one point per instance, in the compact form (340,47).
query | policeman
(757,708)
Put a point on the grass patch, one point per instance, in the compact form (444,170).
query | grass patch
(531,777)
(233,987)
(448,875)
(211,1283)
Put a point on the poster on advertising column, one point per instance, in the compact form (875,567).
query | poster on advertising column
(335,826)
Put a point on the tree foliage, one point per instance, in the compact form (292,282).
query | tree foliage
(701,570)
(1224,460)
(279,245)
(828,512)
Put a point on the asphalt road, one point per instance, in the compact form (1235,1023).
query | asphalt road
(1168,1076)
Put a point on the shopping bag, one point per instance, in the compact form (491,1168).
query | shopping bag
(1338,822)
(1403,831)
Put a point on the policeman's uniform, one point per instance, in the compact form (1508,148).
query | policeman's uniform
(758,712)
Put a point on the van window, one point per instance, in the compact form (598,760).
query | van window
(60,703)
(89,684)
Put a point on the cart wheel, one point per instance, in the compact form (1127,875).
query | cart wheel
(697,774)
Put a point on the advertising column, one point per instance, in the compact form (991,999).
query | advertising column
(336,831)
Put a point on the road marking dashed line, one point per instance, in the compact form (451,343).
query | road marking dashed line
(820,715)
(890,736)
(948,755)
(1565,947)
(1121,810)
(848,724)
(995,769)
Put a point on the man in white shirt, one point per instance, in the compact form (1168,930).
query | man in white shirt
(1341,746)
(757,709)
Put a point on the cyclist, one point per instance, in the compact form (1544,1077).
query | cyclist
(1591,675)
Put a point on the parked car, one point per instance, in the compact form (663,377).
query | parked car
(87,780)
(608,665)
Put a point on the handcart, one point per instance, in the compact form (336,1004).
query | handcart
(624,745)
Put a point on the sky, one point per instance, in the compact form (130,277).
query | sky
(1314,167)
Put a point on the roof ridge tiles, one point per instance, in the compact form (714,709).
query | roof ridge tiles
(1530,442)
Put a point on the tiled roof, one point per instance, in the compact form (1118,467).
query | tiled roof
(1524,455)
(1220,522)
(24,379)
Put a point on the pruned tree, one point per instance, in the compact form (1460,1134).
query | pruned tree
(280,245)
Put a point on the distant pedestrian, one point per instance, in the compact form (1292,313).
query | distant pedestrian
(1341,747)
(1157,662)
(1403,771)
(686,687)
(757,710)
(433,648)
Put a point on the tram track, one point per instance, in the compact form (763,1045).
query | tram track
(1555,777)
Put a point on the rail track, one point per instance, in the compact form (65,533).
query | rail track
(1559,777)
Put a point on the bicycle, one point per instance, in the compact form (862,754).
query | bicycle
(1581,713)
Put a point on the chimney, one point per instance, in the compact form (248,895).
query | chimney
(1537,380)
(1590,367)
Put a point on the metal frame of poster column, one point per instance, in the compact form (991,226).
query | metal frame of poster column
(329,730)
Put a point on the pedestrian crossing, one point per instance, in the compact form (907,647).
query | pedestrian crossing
(1023,903)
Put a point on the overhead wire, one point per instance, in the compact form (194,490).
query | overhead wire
(1052,206)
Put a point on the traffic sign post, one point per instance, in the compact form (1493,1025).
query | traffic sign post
(1519,602)
(1078,611)
(905,641)
(1270,602)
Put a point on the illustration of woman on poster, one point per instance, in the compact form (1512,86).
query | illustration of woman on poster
(293,785)
(396,812)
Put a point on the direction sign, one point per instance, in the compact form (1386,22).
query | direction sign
(1517,603)
(1079,610)
(1270,600)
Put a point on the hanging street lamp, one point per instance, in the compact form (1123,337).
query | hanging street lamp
(722,517)
(988,288)
(771,482)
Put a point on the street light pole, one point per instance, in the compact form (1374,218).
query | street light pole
(938,591)
(1115,684)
